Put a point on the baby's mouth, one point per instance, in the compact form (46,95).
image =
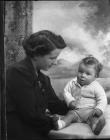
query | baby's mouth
(82,79)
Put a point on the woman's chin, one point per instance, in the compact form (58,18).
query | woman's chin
(45,69)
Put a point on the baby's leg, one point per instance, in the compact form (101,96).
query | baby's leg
(71,116)
(97,124)
(83,114)
(66,120)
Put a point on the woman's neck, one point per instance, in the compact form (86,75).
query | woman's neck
(34,65)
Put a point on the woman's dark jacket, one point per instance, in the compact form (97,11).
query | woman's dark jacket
(27,100)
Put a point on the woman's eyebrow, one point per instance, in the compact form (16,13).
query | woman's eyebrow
(53,57)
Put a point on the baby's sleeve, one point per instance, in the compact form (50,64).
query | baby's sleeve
(67,93)
(100,97)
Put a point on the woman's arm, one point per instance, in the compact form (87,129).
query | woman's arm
(55,105)
(22,92)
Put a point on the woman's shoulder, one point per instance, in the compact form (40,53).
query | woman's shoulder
(19,68)
(23,65)
(16,67)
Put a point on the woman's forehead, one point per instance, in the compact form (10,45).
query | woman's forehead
(55,52)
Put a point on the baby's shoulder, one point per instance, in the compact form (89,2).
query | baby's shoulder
(96,86)
(73,80)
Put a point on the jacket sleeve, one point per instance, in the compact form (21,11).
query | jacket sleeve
(21,90)
(55,105)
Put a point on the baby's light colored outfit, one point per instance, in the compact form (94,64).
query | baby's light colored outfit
(87,98)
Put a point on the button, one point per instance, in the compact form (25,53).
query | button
(40,85)
(43,90)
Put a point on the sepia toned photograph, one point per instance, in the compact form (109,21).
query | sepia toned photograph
(57,69)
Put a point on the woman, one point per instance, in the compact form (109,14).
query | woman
(29,93)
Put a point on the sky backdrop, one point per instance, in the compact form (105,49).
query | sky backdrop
(72,20)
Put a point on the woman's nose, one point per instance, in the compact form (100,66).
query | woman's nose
(55,62)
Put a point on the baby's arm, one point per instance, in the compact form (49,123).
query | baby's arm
(101,99)
(72,105)
(69,99)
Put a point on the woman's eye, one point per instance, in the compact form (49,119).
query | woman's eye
(52,58)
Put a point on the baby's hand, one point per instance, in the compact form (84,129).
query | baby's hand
(97,112)
(72,105)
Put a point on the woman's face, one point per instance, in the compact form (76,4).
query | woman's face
(86,74)
(45,62)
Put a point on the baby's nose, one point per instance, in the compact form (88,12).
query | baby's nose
(83,75)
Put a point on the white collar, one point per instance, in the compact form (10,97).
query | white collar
(77,84)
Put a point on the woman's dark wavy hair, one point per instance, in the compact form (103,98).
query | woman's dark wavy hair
(90,60)
(42,43)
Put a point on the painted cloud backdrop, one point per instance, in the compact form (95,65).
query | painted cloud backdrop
(85,26)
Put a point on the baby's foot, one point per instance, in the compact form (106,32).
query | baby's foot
(98,125)
(59,124)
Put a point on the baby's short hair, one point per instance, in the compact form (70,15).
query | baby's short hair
(90,60)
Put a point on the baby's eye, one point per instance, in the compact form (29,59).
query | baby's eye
(80,71)
(88,73)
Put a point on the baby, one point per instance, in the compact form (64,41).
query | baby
(85,97)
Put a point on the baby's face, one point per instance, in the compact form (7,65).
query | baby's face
(86,74)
